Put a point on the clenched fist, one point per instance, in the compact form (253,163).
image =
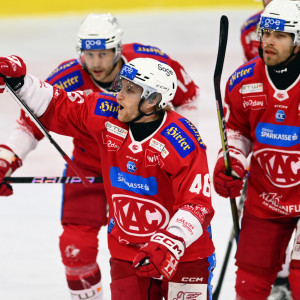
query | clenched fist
(12,72)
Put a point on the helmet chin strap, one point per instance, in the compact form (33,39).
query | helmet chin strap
(142,114)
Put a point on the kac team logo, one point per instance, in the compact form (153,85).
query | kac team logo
(139,216)
(281,167)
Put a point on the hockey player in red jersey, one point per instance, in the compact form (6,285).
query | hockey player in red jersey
(155,173)
(101,57)
(250,46)
(248,34)
(262,112)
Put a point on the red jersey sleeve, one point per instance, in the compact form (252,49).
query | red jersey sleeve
(248,39)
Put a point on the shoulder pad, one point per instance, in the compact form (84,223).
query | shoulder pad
(193,130)
(148,51)
(251,22)
(179,139)
(62,67)
(107,105)
(244,71)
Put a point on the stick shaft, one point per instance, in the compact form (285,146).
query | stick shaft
(56,179)
(25,107)
(223,36)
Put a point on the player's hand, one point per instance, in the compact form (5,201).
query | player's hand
(9,162)
(160,257)
(229,185)
(12,72)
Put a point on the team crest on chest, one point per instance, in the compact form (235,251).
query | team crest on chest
(281,95)
(135,147)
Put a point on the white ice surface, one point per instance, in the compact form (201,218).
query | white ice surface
(30,263)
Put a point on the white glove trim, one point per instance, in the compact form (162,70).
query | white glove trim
(238,141)
(174,246)
(36,94)
(185,225)
(22,141)
(6,154)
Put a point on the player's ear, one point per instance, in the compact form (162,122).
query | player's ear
(297,49)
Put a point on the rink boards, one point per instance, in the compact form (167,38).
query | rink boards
(33,7)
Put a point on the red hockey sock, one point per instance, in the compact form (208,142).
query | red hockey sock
(254,285)
(81,278)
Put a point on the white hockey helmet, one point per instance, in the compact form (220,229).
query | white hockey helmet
(156,79)
(281,15)
(100,31)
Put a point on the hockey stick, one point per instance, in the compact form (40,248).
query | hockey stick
(25,107)
(217,290)
(217,85)
(56,179)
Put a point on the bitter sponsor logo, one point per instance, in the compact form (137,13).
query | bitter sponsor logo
(70,82)
(179,139)
(148,50)
(240,74)
(107,108)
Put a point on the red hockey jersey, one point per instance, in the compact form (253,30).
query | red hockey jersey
(264,121)
(70,76)
(145,182)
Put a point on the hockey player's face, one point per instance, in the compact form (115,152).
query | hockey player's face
(100,63)
(128,97)
(277,47)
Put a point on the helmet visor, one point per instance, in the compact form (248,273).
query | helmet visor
(128,75)
(129,88)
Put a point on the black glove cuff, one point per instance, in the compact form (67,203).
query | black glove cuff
(15,82)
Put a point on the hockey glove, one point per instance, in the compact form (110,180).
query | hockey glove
(9,162)
(160,256)
(230,185)
(12,72)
